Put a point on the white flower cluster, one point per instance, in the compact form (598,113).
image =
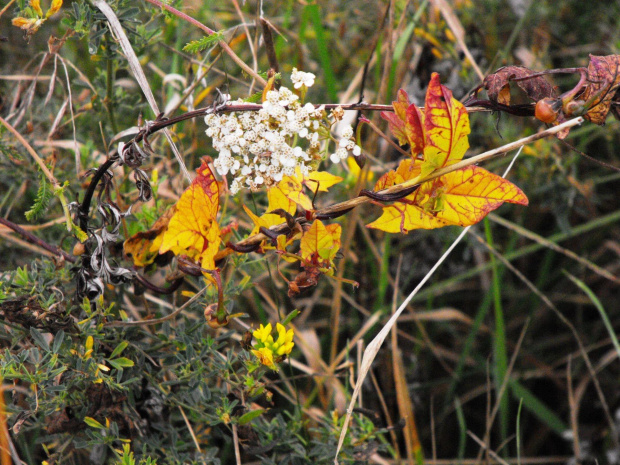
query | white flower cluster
(256,146)
(347,144)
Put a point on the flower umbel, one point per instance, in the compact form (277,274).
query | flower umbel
(260,147)
(269,352)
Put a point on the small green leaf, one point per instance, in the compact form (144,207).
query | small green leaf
(60,336)
(39,339)
(290,317)
(249,416)
(199,45)
(119,348)
(44,195)
(90,421)
(121,363)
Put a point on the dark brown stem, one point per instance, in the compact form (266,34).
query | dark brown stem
(35,240)
(269,46)
(160,290)
(84,209)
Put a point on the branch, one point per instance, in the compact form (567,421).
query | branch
(341,208)
(35,240)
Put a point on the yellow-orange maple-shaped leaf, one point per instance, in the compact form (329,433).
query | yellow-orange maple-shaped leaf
(291,188)
(278,200)
(143,247)
(446,126)
(319,245)
(319,180)
(461,198)
(193,229)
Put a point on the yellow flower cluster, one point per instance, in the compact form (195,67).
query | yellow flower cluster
(266,350)
(33,23)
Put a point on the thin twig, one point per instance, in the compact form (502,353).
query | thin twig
(339,208)
(209,32)
(162,319)
(35,240)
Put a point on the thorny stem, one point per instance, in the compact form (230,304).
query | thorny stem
(209,32)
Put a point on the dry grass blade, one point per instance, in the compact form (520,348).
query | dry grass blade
(136,68)
(457,29)
(373,348)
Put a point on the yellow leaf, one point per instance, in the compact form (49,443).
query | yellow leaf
(461,198)
(193,229)
(267,220)
(278,200)
(319,179)
(143,247)
(446,126)
(355,171)
(320,244)
(292,188)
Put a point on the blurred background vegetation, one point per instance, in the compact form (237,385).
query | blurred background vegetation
(456,347)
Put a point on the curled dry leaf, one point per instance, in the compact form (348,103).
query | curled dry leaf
(497,84)
(604,82)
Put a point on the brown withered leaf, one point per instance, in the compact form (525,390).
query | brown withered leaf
(604,82)
(497,84)
(303,281)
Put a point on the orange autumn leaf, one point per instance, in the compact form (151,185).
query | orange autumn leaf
(439,132)
(319,246)
(406,123)
(193,229)
(143,247)
(446,127)
(462,198)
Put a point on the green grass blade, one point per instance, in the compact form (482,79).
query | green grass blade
(537,407)
(599,307)
(314,15)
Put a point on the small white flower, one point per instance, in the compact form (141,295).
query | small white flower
(334,157)
(357,150)
(303,132)
(301,78)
